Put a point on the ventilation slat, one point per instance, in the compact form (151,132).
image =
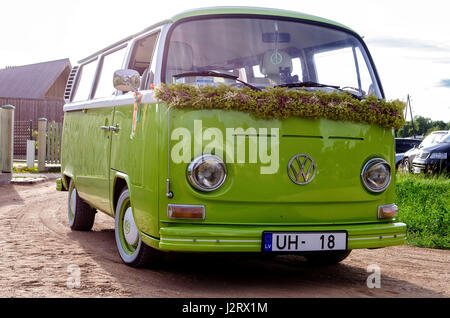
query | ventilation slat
(69,84)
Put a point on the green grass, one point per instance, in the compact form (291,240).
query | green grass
(24,169)
(424,203)
(20,167)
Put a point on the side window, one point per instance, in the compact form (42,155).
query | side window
(336,67)
(366,80)
(85,79)
(297,68)
(110,63)
(141,59)
(256,72)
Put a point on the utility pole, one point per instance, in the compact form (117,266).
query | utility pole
(408,104)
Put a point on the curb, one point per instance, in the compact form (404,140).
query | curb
(32,178)
(28,180)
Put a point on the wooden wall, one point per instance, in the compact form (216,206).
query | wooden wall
(56,91)
(33,109)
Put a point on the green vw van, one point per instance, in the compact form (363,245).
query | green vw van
(233,130)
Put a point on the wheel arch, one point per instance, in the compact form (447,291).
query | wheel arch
(65,178)
(120,181)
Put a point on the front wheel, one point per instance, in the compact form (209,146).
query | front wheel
(132,250)
(327,258)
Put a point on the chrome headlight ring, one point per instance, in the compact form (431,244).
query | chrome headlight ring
(207,173)
(372,175)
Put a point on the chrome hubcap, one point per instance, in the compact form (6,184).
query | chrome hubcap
(73,201)
(130,230)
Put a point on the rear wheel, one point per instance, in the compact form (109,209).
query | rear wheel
(81,215)
(132,250)
(327,258)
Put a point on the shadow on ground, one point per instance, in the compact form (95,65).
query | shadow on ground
(240,275)
(9,193)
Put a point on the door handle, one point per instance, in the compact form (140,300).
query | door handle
(108,128)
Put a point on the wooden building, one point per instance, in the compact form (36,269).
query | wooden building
(36,91)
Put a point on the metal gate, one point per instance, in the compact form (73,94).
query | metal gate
(23,131)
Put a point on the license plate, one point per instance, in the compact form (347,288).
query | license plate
(304,241)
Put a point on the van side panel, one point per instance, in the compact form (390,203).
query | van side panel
(127,152)
(137,157)
(85,156)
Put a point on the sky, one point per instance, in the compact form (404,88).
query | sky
(408,40)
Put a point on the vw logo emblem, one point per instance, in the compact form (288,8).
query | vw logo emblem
(301,169)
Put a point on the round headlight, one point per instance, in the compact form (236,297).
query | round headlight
(207,172)
(376,175)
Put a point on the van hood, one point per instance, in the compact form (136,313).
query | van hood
(337,149)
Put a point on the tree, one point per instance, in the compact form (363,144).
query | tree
(423,126)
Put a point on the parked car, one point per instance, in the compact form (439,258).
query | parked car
(321,187)
(408,157)
(434,158)
(402,145)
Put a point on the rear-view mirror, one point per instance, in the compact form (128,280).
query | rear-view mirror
(276,37)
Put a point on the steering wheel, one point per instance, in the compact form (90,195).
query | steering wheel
(354,88)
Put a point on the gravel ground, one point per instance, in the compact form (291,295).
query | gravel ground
(42,257)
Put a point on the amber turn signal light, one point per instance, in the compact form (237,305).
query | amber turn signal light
(387,211)
(179,211)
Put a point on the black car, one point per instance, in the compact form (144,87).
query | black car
(431,139)
(434,158)
(402,145)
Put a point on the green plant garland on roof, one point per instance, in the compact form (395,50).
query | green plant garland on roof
(282,103)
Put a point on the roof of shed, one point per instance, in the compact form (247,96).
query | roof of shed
(31,81)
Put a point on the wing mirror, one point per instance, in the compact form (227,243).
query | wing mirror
(126,80)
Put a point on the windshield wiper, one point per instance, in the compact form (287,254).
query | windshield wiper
(216,74)
(315,84)
(307,84)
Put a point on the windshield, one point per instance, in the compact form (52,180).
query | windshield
(432,139)
(445,138)
(268,52)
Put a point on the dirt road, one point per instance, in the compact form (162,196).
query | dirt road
(40,256)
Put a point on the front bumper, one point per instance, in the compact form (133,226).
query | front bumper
(429,165)
(245,238)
